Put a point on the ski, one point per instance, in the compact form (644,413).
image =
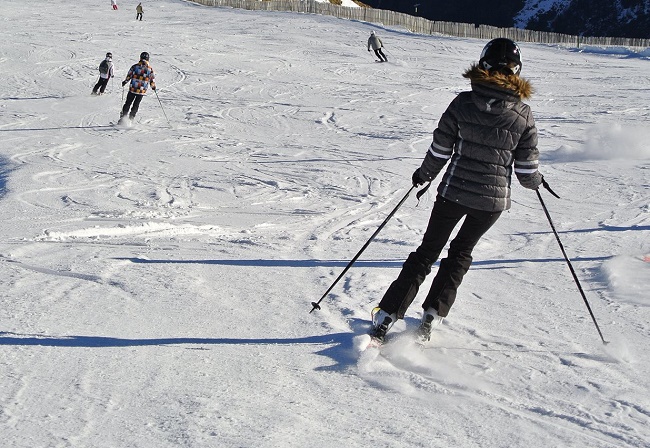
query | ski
(367,343)
(375,342)
(123,123)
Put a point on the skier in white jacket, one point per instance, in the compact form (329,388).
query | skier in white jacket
(376,44)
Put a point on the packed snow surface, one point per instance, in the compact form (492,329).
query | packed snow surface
(157,280)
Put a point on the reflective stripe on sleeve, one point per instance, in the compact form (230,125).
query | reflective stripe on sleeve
(525,170)
(440,151)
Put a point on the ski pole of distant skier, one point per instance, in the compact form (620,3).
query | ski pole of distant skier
(573,272)
(161,106)
(316,305)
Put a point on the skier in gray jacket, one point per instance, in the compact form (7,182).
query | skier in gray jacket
(483,135)
(105,73)
(376,44)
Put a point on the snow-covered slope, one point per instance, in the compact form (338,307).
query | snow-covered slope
(157,280)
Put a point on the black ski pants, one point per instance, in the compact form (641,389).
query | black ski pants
(380,54)
(444,217)
(101,85)
(131,98)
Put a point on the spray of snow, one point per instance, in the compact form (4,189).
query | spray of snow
(608,141)
(629,279)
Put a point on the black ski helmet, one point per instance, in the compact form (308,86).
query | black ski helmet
(109,55)
(501,53)
(144,56)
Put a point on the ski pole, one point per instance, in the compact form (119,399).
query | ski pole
(316,305)
(573,273)
(161,106)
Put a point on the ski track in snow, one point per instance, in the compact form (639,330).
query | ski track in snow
(157,279)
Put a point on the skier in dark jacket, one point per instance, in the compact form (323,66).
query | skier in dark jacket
(105,73)
(484,134)
(142,77)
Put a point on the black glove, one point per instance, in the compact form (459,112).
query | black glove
(124,83)
(153,88)
(417,178)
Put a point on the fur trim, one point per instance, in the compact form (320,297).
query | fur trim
(513,83)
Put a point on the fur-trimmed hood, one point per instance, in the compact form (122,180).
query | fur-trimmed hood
(512,84)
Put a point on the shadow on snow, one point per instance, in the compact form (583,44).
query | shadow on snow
(4,170)
(8,338)
(338,346)
(342,263)
(58,128)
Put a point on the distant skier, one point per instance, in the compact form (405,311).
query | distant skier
(105,73)
(485,132)
(139,11)
(142,77)
(114,4)
(376,44)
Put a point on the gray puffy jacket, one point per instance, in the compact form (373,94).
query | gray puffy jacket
(374,42)
(485,133)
